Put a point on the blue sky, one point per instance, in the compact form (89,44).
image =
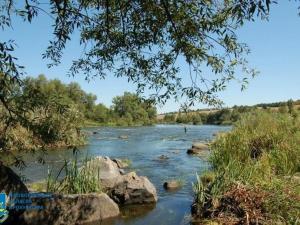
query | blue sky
(275,52)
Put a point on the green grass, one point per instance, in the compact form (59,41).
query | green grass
(258,159)
(76,180)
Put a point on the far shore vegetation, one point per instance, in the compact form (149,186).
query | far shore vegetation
(51,114)
(226,116)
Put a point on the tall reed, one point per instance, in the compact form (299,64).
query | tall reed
(77,180)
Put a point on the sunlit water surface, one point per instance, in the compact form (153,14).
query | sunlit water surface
(143,148)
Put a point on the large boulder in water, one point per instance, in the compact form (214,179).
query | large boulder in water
(72,209)
(109,172)
(123,189)
(133,189)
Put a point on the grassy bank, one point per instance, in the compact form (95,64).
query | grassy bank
(255,173)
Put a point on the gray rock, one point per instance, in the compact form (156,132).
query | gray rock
(120,163)
(123,137)
(134,190)
(123,189)
(122,172)
(198,148)
(109,173)
(172,185)
(72,209)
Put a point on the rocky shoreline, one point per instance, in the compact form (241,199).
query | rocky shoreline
(118,189)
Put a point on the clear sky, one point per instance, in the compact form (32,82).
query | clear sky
(275,52)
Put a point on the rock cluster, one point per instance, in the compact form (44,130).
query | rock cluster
(124,189)
(83,208)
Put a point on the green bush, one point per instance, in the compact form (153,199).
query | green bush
(259,159)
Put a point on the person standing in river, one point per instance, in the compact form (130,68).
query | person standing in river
(185,129)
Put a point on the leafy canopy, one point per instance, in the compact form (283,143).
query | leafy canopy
(143,41)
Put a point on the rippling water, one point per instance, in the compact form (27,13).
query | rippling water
(143,148)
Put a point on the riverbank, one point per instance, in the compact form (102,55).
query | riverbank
(94,124)
(255,173)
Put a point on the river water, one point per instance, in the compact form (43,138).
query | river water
(143,148)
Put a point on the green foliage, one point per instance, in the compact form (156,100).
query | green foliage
(200,192)
(100,113)
(169,118)
(228,116)
(42,115)
(290,105)
(49,117)
(278,104)
(275,136)
(76,180)
(48,113)
(130,109)
(183,118)
(217,117)
(143,40)
(258,157)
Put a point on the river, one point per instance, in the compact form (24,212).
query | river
(143,148)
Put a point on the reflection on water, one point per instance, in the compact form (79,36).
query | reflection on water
(144,147)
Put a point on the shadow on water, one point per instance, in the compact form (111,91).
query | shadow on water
(136,211)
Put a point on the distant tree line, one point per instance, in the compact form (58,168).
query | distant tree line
(126,110)
(227,116)
(278,104)
(219,117)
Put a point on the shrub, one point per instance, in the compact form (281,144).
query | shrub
(254,159)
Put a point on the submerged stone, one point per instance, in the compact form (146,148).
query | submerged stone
(198,148)
(172,185)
